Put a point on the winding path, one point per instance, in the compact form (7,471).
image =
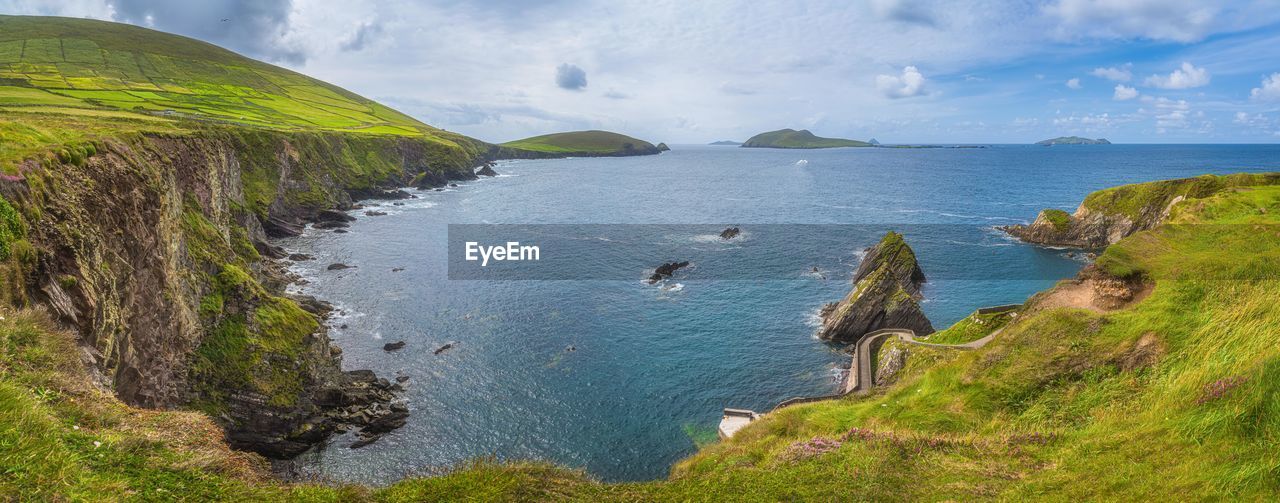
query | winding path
(861,378)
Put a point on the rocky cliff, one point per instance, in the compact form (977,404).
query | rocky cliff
(1108,216)
(154,248)
(886,294)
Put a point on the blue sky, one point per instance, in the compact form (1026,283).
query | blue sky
(1148,71)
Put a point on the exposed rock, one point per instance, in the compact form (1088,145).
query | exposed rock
(331,224)
(666,270)
(340,231)
(375,213)
(1110,292)
(393,346)
(300,257)
(891,362)
(662,147)
(333,216)
(730,233)
(453,185)
(886,294)
(487,170)
(397,269)
(269,250)
(444,348)
(338,266)
(402,378)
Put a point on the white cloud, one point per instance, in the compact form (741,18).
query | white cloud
(1168,114)
(1254,121)
(1122,73)
(910,83)
(1270,89)
(1124,92)
(1074,83)
(1185,77)
(1176,20)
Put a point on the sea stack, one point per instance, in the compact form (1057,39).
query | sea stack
(886,294)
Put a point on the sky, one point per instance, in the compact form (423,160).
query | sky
(678,71)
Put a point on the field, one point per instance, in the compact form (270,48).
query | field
(76,66)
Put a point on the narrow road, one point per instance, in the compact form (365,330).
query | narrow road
(862,374)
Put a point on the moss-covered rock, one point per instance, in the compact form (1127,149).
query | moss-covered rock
(886,294)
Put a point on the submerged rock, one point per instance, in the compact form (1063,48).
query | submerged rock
(300,257)
(375,213)
(886,294)
(666,270)
(444,348)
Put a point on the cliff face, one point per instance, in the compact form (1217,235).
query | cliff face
(886,294)
(154,248)
(1107,216)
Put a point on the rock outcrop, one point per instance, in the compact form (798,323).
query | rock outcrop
(666,271)
(730,233)
(886,294)
(1109,215)
(487,170)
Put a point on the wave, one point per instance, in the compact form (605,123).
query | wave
(802,162)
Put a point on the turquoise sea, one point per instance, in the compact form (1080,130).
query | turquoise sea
(605,372)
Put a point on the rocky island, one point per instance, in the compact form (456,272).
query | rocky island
(592,143)
(1072,140)
(802,139)
(886,294)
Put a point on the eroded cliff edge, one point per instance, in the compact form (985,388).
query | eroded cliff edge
(1107,216)
(154,248)
(886,294)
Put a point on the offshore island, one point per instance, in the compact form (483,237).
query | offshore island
(148,347)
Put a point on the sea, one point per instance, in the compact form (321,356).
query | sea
(576,358)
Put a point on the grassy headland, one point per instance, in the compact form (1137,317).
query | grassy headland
(586,144)
(109,210)
(790,138)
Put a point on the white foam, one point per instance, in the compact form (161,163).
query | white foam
(802,162)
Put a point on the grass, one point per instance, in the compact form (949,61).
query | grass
(582,142)
(790,138)
(1060,220)
(78,66)
(971,328)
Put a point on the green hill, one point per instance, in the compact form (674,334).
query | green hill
(790,138)
(592,143)
(85,67)
(1073,140)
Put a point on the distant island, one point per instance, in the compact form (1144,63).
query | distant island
(726,142)
(1073,140)
(790,138)
(592,143)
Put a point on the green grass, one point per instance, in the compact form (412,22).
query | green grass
(971,328)
(582,142)
(1060,220)
(790,138)
(80,65)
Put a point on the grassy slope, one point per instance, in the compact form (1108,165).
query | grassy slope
(79,64)
(588,142)
(1065,404)
(790,138)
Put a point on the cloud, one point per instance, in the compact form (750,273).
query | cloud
(1122,73)
(910,83)
(616,95)
(1253,121)
(1185,77)
(905,11)
(257,28)
(1124,92)
(1074,83)
(1270,89)
(1176,20)
(571,77)
(364,34)
(1168,114)
(735,89)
